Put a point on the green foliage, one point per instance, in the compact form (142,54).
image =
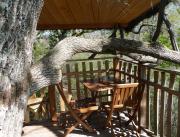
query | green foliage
(55,36)
(164,40)
(146,37)
(40,49)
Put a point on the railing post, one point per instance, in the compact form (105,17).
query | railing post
(148,98)
(117,66)
(77,81)
(84,78)
(161,113)
(178,125)
(142,111)
(52,102)
(156,102)
(168,121)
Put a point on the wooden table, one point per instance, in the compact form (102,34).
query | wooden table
(97,87)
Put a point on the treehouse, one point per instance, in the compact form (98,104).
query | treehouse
(82,81)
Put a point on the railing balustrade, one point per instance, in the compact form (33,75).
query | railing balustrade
(160,106)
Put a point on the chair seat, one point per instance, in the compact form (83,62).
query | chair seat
(86,109)
(107,105)
(86,102)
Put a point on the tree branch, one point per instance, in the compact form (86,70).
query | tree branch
(160,20)
(139,30)
(171,34)
(141,58)
(47,71)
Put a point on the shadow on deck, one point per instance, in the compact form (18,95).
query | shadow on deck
(46,129)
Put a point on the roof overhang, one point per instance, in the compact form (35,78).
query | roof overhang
(95,14)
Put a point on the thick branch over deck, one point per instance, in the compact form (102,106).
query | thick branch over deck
(47,71)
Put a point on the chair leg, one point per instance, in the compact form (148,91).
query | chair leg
(86,125)
(136,128)
(119,118)
(131,118)
(80,121)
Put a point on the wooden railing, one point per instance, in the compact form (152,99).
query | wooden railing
(77,71)
(160,107)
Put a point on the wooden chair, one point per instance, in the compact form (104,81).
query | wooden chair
(125,97)
(37,106)
(79,114)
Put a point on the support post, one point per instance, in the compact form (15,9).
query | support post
(142,109)
(117,66)
(52,102)
(144,100)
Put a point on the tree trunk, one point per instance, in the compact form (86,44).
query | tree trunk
(47,71)
(18,20)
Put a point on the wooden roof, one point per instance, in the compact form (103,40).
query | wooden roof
(92,14)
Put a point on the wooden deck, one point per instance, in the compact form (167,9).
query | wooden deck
(46,129)
(160,107)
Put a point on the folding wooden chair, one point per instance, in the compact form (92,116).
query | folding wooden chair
(125,97)
(79,114)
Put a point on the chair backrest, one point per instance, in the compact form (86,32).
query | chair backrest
(125,94)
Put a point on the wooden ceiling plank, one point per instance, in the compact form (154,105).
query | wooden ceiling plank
(49,16)
(76,26)
(70,11)
(43,16)
(94,10)
(116,9)
(130,5)
(86,8)
(83,16)
(138,9)
(83,10)
(55,12)
(62,17)
(91,13)
(105,10)
(90,10)
(64,11)
(101,10)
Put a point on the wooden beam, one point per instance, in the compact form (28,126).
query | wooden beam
(52,103)
(78,26)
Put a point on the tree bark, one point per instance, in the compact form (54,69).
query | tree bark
(18,19)
(47,71)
